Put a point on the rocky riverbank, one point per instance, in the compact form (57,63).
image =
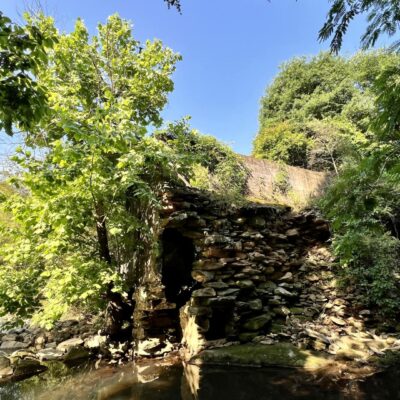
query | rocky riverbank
(24,351)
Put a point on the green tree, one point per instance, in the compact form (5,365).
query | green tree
(328,91)
(92,176)
(283,142)
(363,205)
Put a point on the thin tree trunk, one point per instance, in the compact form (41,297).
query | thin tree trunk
(118,311)
(102,235)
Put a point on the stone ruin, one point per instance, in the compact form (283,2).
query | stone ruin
(223,273)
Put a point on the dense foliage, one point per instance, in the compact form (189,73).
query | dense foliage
(215,167)
(22,55)
(318,110)
(84,210)
(363,204)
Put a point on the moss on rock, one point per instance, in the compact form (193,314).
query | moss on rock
(279,354)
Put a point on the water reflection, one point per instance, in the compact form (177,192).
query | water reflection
(161,381)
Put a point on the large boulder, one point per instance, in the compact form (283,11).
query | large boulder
(5,367)
(27,367)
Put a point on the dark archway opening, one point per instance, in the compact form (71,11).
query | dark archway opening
(221,323)
(178,255)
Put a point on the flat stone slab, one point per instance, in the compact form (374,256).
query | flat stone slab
(50,354)
(68,344)
(13,345)
(258,355)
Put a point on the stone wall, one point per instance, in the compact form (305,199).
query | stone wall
(240,278)
(265,179)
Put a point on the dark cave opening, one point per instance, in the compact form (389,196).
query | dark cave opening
(177,260)
(221,323)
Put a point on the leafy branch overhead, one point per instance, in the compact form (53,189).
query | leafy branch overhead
(383,18)
(174,3)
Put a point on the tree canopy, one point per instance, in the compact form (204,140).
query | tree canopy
(92,172)
(363,204)
(314,96)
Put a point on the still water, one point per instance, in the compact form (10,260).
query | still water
(177,382)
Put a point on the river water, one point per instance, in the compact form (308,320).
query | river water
(177,382)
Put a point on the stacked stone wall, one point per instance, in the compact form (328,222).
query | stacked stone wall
(245,273)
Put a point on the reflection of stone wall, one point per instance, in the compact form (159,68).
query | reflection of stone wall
(245,262)
(264,174)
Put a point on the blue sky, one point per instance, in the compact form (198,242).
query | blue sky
(231,50)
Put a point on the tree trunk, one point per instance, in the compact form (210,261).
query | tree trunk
(118,310)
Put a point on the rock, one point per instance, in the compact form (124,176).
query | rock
(313,278)
(228,292)
(50,354)
(246,337)
(200,311)
(256,323)
(216,252)
(69,323)
(95,342)
(319,336)
(338,321)
(27,367)
(206,292)
(255,304)
(297,310)
(153,346)
(269,266)
(76,353)
(365,313)
(4,362)
(268,285)
(221,301)
(40,340)
(288,277)
(5,372)
(13,345)
(245,284)
(67,344)
(257,222)
(217,285)
(211,266)
(216,239)
(292,233)
(283,292)
(256,256)
(281,310)
(22,354)
(274,355)
(278,328)
(9,337)
(319,346)
(202,276)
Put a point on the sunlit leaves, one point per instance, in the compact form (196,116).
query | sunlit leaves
(23,52)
